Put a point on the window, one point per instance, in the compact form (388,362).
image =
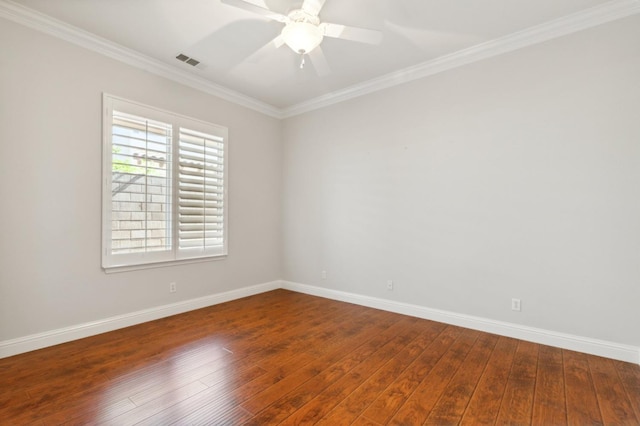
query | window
(164,193)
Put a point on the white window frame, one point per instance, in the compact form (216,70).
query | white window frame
(124,262)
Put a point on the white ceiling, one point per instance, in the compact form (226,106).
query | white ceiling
(235,53)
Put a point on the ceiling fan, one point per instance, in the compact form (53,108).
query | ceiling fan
(303,32)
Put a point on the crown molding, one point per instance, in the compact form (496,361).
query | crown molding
(592,17)
(610,11)
(51,26)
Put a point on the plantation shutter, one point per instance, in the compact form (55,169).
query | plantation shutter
(140,185)
(164,187)
(201,193)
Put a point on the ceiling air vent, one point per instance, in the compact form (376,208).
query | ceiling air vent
(184,58)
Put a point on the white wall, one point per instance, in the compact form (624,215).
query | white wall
(513,177)
(517,176)
(50,189)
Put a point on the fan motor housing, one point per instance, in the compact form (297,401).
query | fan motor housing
(300,15)
(303,33)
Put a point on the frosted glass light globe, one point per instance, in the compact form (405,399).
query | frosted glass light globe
(302,37)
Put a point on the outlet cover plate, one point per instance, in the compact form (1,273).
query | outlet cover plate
(515,305)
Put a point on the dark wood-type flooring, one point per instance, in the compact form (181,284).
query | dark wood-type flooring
(288,358)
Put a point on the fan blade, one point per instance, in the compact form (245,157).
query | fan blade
(266,50)
(241,4)
(319,62)
(278,41)
(313,7)
(361,35)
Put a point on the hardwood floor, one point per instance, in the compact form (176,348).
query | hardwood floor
(288,358)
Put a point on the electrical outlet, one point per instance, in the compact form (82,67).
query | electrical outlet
(515,305)
(324,275)
(390,285)
(172,287)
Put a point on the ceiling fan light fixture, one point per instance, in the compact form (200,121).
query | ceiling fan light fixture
(302,37)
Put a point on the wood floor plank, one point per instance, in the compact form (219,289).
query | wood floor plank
(142,412)
(216,414)
(206,374)
(355,403)
(398,386)
(82,411)
(347,324)
(85,411)
(328,352)
(145,385)
(549,406)
(614,403)
(291,358)
(290,325)
(220,394)
(394,350)
(370,336)
(630,377)
(517,400)
(419,405)
(57,393)
(484,405)
(452,404)
(363,421)
(582,401)
(400,333)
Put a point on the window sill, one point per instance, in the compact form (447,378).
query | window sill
(162,264)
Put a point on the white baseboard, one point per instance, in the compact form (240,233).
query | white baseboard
(561,340)
(546,337)
(67,334)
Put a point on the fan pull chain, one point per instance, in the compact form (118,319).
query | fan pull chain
(302,59)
